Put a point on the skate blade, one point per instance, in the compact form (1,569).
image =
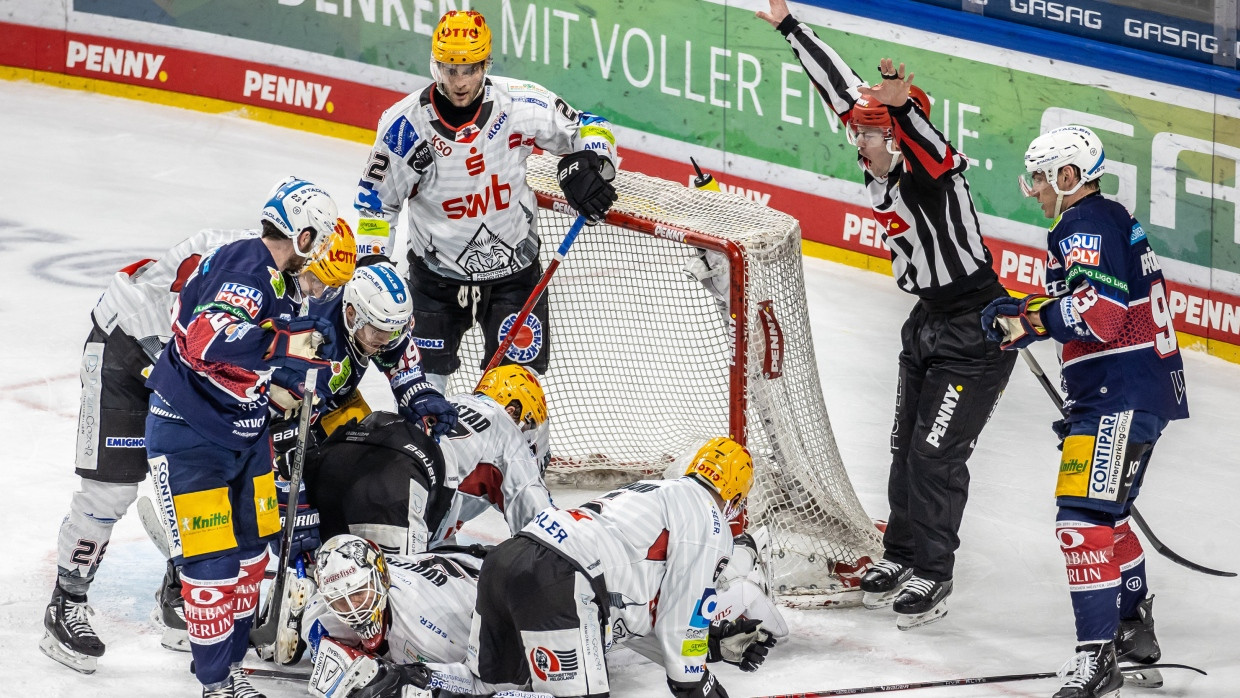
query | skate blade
(74,660)
(910,621)
(1143,678)
(876,600)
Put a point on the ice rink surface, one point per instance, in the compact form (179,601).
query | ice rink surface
(90,183)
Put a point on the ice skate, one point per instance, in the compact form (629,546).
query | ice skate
(882,583)
(224,691)
(169,612)
(1093,673)
(241,686)
(921,602)
(1137,643)
(69,639)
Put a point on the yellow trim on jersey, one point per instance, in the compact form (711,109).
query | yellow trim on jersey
(353,408)
(266,509)
(205,520)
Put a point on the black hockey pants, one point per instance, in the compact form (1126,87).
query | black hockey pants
(950,381)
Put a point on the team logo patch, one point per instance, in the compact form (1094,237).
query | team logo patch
(486,256)
(277,282)
(246,298)
(552,665)
(341,370)
(1081,248)
(400,137)
(705,609)
(528,342)
(1138,234)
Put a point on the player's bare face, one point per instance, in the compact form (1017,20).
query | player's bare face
(873,147)
(1044,193)
(370,340)
(461,82)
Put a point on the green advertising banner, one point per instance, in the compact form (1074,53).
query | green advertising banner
(711,75)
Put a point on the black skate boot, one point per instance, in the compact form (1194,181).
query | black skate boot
(241,686)
(1136,642)
(169,611)
(69,638)
(921,602)
(1094,673)
(881,583)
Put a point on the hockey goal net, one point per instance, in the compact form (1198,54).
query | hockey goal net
(658,346)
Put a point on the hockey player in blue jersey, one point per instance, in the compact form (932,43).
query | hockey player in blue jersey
(1106,303)
(207,430)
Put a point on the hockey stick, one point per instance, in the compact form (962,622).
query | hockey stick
(971,681)
(263,634)
(439,680)
(1155,543)
(569,238)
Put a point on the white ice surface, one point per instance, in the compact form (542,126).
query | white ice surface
(89,183)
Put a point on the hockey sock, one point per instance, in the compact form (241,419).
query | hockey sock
(245,601)
(1093,574)
(85,531)
(1131,560)
(209,604)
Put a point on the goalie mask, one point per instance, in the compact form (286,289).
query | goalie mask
(381,309)
(1052,151)
(727,468)
(460,49)
(352,577)
(295,206)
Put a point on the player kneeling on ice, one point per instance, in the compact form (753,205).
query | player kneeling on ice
(1106,303)
(575,581)
(130,329)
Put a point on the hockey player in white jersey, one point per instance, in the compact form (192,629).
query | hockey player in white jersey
(637,565)
(132,322)
(454,155)
(429,490)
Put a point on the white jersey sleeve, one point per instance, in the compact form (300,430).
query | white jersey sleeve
(139,301)
(659,545)
(490,465)
(471,215)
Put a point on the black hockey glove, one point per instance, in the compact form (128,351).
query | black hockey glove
(393,678)
(306,526)
(283,441)
(584,186)
(743,643)
(708,687)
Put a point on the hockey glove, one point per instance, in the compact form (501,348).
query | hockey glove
(340,670)
(420,401)
(305,528)
(743,643)
(1006,320)
(393,679)
(708,687)
(584,186)
(295,344)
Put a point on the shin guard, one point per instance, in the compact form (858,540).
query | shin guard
(1130,557)
(209,607)
(1093,578)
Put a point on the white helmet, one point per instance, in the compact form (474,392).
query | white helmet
(1066,145)
(295,205)
(379,298)
(353,578)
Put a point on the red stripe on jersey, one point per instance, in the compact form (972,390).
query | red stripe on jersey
(1137,328)
(193,345)
(187,267)
(129,270)
(658,550)
(936,168)
(485,481)
(1105,317)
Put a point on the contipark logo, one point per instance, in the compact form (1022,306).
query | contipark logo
(270,87)
(97,58)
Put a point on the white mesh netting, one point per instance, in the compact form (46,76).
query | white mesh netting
(640,365)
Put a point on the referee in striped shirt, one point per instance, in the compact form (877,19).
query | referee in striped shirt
(950,376)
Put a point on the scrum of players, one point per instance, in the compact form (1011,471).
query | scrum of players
(194,372)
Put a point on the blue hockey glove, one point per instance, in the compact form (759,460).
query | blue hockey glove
(420,401)
(295,344)
(306,526)
(1006,320)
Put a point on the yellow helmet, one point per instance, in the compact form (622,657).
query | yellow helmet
(461,37)
(335,266)
(726,467)
(513,383)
